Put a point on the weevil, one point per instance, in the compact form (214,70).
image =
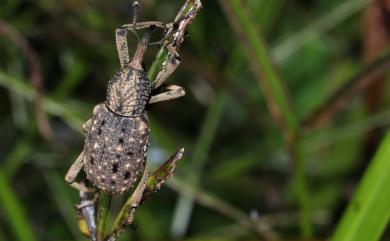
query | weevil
(117,134)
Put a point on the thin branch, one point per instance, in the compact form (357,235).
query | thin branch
(86,210)
(35,75)
(359,82)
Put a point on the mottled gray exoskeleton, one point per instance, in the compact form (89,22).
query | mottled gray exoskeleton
(117,135)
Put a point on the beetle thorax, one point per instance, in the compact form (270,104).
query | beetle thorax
(128,92)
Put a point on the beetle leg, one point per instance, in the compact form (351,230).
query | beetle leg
(168,67)
(121,37)
(147,24)
(75,169)
(131,206)
(170,92)
(72,173)
(136,197)
(87,126)
(121,46)
(96,108)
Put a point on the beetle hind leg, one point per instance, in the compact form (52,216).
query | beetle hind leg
(73,172)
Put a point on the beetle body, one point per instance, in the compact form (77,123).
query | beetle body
(117,135)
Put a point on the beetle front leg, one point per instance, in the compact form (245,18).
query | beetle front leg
(170,92)
(168,67)
(136,197)
(127,214)
(72,173)
(121,46)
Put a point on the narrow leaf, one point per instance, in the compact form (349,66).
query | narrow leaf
(162,174)
(369,211)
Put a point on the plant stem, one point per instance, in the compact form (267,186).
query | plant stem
(102,215)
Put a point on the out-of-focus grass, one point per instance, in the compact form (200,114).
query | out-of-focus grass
(317,48)
(330,20)
(277,100)
(60,194)
(16,157)
(195,167)
(15,211)
(67,111)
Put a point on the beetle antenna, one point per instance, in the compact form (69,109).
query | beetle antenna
(135,13)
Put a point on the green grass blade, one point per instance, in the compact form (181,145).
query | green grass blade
(268,77)
(14,211)
(102,214)
(369,211)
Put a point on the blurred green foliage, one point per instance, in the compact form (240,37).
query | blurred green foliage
(236,168)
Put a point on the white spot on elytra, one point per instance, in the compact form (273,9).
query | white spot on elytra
(96,145)
(127,165)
